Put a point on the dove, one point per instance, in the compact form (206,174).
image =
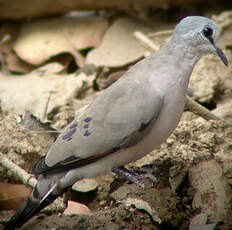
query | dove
(127,120)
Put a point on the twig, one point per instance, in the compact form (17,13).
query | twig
(147,42)
(5,38)
(46,107)
(199,110)
(57,206)
(166,32)
(43,131)
(191,105)
(224,19)
(26,178)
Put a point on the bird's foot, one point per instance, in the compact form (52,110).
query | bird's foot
(133,177)
(150,169)
(128,175)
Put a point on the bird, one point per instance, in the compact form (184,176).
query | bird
(128,120)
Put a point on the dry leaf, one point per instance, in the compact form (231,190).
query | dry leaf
(12,195)
(14,64)
(39,41)
(142,205)
(64,59)
(87,33)
(75,208)
(118,46)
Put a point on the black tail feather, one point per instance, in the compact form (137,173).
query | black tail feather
(24,213)
(29,209)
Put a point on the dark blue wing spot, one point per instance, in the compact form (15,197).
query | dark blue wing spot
(86,126)
(69,139)
(74,125)
(88,119)
(87,133)
(69,134)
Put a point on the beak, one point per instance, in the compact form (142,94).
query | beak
(221,55)
(219,52)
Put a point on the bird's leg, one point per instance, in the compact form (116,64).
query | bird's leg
(133,177)
(150,168)
(128,175)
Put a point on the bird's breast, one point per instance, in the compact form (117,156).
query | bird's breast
(164,125)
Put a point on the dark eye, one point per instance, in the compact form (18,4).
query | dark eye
(207,32)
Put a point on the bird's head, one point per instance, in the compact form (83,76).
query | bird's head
(202,34)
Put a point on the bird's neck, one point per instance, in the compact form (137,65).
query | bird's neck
(184,52)
(183,57)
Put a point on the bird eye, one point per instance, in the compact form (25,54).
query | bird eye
(207,32)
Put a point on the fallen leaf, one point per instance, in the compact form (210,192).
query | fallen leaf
(119,46)
(12,62)
(35,124)
(64,59)
(40,40)
(76,208)
(16,65)
(86,33)
(12,195)
(142,205)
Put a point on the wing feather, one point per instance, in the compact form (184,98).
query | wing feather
(119,117)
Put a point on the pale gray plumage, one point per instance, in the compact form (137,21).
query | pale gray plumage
(129,119)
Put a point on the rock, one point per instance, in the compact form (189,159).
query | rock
(85,185)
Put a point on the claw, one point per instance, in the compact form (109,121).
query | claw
(150,168)
(133,177)
(128,175)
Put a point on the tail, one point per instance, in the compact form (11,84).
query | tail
(31,206)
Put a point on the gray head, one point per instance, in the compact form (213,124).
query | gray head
(202,34)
